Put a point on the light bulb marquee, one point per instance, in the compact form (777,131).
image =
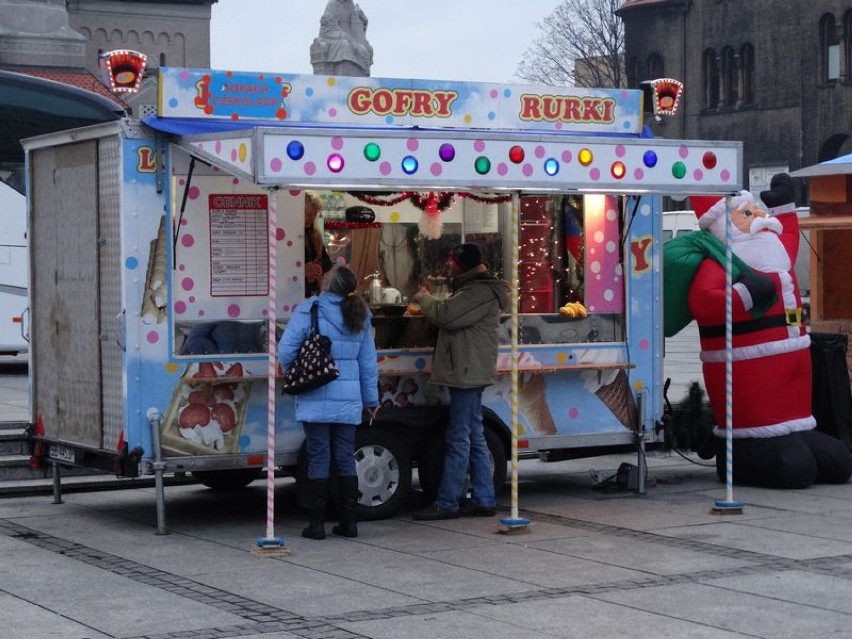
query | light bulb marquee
(123,69)
(665,95)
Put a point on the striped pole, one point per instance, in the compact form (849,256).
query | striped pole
(514,522)
(729,505)
(271,541)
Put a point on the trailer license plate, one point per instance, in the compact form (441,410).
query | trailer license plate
(62,453)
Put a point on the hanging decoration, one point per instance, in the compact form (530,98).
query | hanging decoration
(430,224)
(431,203)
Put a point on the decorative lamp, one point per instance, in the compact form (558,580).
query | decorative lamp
(123,69)
(664,94)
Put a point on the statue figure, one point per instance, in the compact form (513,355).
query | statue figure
(341,48)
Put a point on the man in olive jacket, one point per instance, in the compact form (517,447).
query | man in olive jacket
(465,360)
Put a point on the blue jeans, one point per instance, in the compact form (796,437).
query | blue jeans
(326,442)
(466,443)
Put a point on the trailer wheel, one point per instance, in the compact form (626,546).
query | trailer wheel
(227,480)
(431,464)
(384,473)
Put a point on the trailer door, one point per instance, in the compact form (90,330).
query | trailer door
(65,313)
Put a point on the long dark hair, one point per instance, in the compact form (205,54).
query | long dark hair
(342,280)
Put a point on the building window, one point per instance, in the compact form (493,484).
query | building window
(633,72)
(847,37)
(829,49)
(747,73)
(711,79)
(730,77)
(656,68)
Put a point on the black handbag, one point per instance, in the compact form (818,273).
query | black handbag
(313,366)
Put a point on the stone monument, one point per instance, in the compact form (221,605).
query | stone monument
(341,48)
(36,33)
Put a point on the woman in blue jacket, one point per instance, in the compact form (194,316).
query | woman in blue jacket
(330,414)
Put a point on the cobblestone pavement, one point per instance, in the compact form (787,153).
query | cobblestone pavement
(594,562)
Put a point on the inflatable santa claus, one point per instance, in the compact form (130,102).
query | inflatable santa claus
(775,443)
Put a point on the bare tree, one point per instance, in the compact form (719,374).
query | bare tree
(581,44)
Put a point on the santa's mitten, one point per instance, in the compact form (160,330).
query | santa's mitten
(755,289)
(781,196)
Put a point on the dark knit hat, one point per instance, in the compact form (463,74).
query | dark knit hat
(466,255)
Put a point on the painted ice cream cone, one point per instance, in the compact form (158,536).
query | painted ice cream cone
(532,402)
(617,397)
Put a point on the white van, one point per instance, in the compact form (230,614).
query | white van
(678,222)
(13,272)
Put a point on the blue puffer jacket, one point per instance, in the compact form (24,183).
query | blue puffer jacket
(343,400)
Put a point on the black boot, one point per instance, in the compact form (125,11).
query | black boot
(316,494)
(348,526)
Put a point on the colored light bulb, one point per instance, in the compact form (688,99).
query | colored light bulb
(585,157)
(410,164)
(679,170)
(551,166)
(516,154)
(618,170)
(335,163)
(372,151)
(447,152)
(295,150)
(650,159)
(709,160)
(482,165)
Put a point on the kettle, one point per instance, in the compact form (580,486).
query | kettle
(391,296)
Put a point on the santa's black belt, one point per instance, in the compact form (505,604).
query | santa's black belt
(746,326)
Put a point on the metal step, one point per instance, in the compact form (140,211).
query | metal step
(18,467)
(13,441)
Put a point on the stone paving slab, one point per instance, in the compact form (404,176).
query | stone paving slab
(586,617)
(734,610)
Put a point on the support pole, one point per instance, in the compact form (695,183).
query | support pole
(270,545)
(155,417)
(514,523)
(729,506)
(57,486)
(641,462)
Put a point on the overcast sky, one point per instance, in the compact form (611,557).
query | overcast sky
(469,40)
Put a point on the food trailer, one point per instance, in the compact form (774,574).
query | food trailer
(145,231)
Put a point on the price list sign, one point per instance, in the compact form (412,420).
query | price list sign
(239,245)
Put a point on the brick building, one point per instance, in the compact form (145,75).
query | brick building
(776,74)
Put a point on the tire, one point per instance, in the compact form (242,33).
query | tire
(431,465)
(384,473)
(227,480)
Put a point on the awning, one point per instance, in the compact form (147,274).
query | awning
(837,166)
(275,154)
(31,106)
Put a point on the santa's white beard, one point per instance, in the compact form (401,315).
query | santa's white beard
(761,248)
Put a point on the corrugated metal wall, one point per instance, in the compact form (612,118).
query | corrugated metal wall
(111,320)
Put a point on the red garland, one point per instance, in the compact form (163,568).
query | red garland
(338,225)
(485,199)
(432,203)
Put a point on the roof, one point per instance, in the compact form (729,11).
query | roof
(31,106)
(80,78)
(837,166)
(637,4)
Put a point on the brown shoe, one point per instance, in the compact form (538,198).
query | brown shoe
(472,509)
(433,512)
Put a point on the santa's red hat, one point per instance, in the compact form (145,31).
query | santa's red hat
(709,208)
